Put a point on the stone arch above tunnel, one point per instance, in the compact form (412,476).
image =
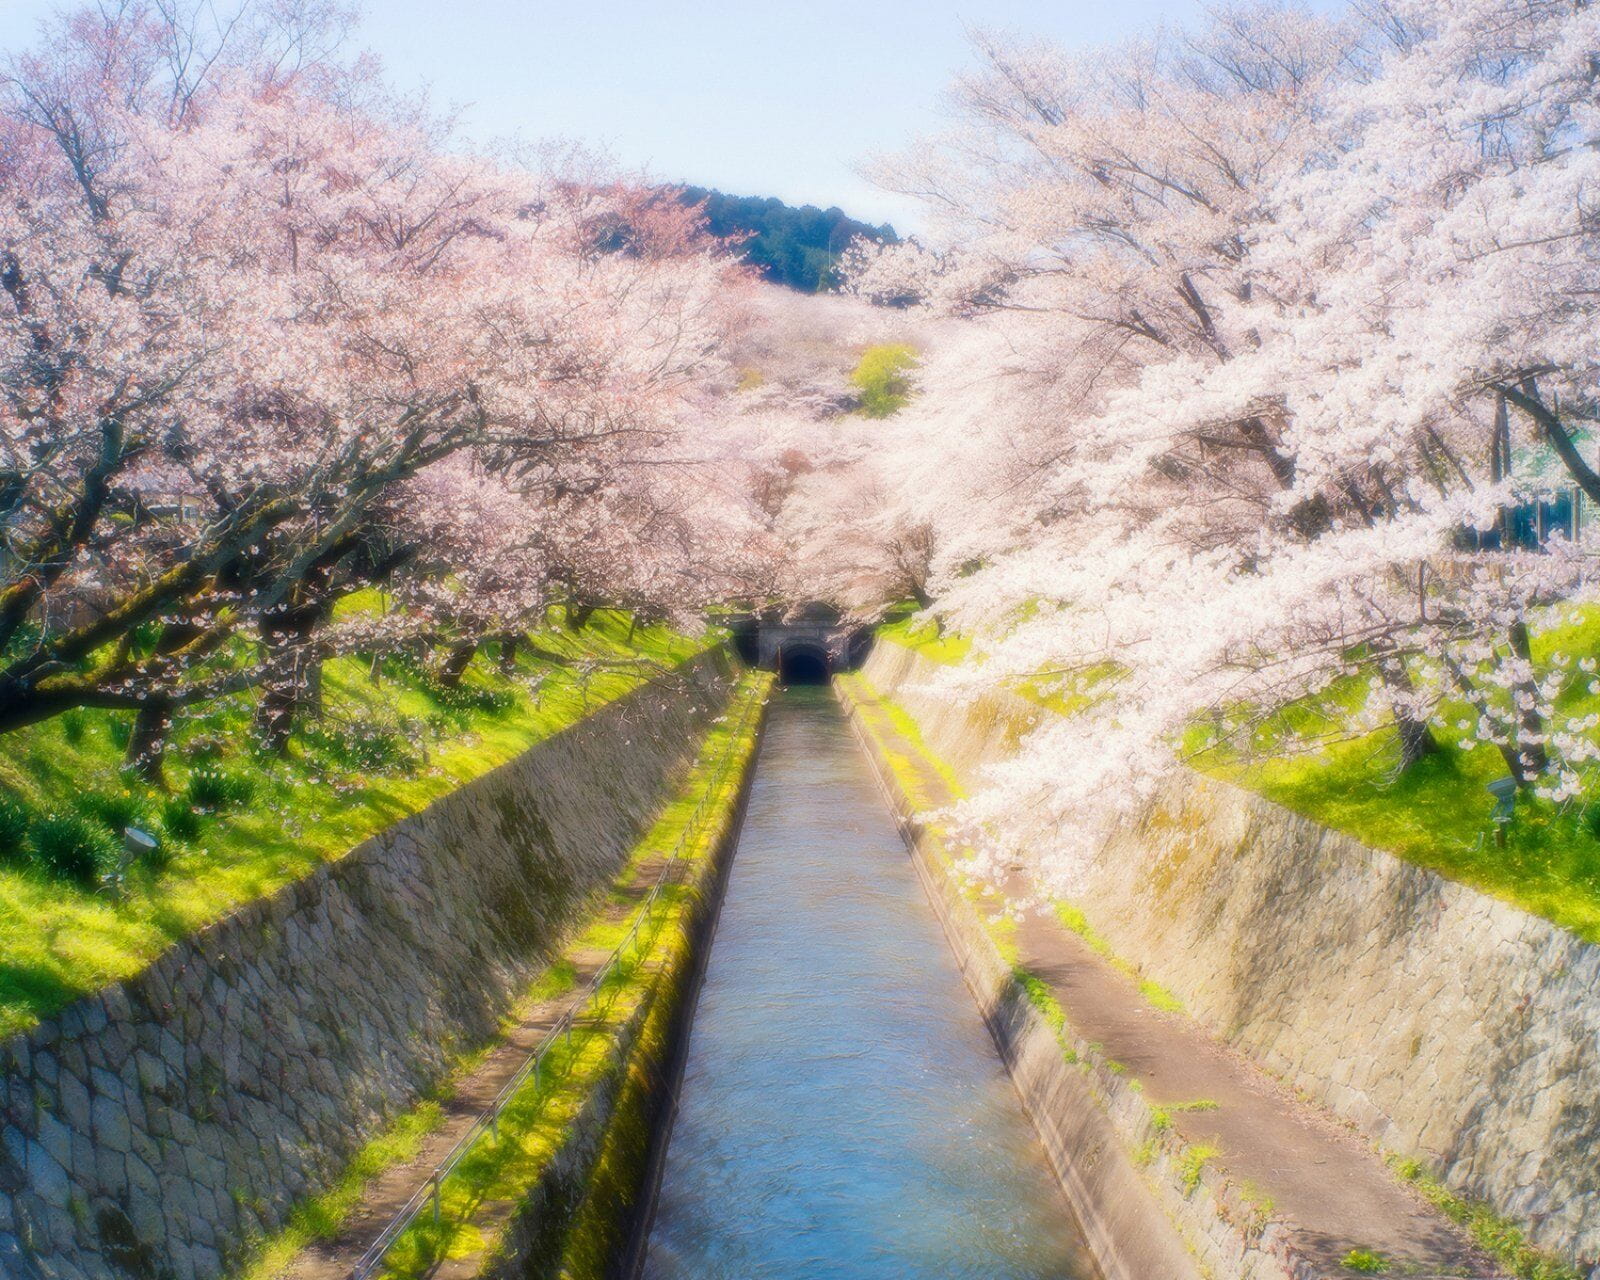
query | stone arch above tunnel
(809,633)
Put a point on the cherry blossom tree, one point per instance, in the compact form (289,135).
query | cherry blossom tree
(244,310)
(1258,318)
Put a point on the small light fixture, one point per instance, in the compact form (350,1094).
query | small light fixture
(1504,791)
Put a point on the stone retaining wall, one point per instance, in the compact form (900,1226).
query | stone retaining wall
(625,1121)
(152,1130)
(1143,1213)
(1445,1024)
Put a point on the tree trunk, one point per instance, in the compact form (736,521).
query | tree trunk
(1526,397)
(1416,737)
(455,663)
(290,686)
(1531,759)
(578,615)
(275,715)
(147,745)
(509,644)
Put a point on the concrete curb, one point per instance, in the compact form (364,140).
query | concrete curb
(1128,1232)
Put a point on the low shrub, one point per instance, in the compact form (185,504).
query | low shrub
(179,819)
(210,789)
(74,722)
(74,847)
(116,810)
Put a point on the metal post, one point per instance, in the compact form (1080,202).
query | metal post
(435,1199)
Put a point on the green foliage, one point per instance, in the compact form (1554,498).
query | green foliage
(1043,999)
(369,748)
(1365,1261)
(212,789)
(14,823)
(116,810)
(883,377)
(62,940)
(797,247)
(119,729)
(1161,1117)
(1193,1165)
(73,722)
(73,847)
(179,819)
(1500,1237)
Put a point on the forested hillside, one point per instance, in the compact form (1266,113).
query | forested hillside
(799,248)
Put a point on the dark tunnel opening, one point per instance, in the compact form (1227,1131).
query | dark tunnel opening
(802,665)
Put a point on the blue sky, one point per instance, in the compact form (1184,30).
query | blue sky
(769,98)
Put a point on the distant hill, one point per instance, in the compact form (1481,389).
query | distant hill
(795,247)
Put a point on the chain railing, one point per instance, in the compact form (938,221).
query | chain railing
(430,1195)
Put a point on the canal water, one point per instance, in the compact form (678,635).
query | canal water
(843,1112)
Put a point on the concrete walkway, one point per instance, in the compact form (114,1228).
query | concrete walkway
(469,1096)
(1329,1189)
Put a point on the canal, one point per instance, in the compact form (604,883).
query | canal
(843,1111)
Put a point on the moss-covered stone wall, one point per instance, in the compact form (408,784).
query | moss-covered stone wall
(150,1131)
(1448,1026)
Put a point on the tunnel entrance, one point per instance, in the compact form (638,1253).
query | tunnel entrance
(802,664)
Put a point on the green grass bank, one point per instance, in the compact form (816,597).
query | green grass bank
(1436,815)
(238,825)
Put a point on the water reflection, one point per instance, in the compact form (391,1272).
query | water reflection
(843,1112)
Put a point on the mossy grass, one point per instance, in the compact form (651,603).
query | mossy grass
(540,1116)
(1161,1116)
(1506,1242)
(1192,1166)
(596,1234)
(951,649)
(1436,814)
(239,826)
(321,1216)
(533,1126)
(1353,787)
(925,637)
